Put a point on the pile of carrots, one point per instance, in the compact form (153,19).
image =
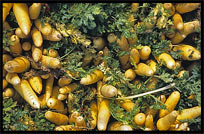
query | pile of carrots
(41,90)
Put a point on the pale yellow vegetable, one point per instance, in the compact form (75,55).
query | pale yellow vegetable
(26,46)
(68,128)
(8,92)
(45,76)
(4,83)
(178,21)
(62,96)
(99,96)
(57,118)
(6,58)
(94,112)
(186,7)
(188,52)
(13,78)
(134,56)
(134,7)
(152,64)
(50,62)
(92,78)
(63,81)
(111,38)
(145,52)
(17,65)
(25,90)
(34,10)
(36,54)
(128,105)
(6,9)
(20,33)
(140,118)
(15,47)
(55,92)
(48,87)
(132,40)
(36,83)
(103,115)
(149,122)
(165,122)
(119,126)
(80,122)
(73,116)
(22,16)
(53,53)
(42,100)
(144,70)
(57,105)
(109,91)
(37,37)
(181,73)
(170,103)
(130,74)
(152,83)
(69,88)
(53,36)
(167,60)
(45,29)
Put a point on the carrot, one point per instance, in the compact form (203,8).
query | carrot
(17,65)
(189,27)
(80,122)
(165,122)
(186,7)
(178,21)
(178,64)
(36,83)
(143,70)
(27,93)
(92,78)
(6,9)
(5,83)
(134,7)
(22,16)
(6,58)
(94,112)
(37,37)
(57,105)
(128,105)
(130,74)
(62,96)
(170,103)
(152,64)
(68,128)
(57,118)
(145,52)
(42,100)
(111,38)
(109,91)
(134,56)
(171,33)
(13,78)
(36,53)
(132,40)
(45,29)
(181,73)
(67,89)
(50,62)
(187,52)
(98,59)
(26,46)
(149,123)
(34,10)
(45,76)
(99,96)
(167,60)
(98,43)
(73,116)
(53,36)
(53,53)
(170,7)
(8,92)
(20,33)
(140,118)
(48,87)
(114,126)
(63,81)
(55,92)
(189,113)
(15,47)
(103,115)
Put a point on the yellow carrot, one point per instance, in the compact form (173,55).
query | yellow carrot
(13,78)
(178,21)
(108,91)
(94,112)
(27,93)
(62,96)
(6,9)
(6,57)
(36,83)
(170,103)
(57,118)
(80,122)
(103,115)
(50,62)
(140,118)
(48,87)
(152,83)
(42,100)
(8,92)
(143,70)
(165,122)
(34,10)
(111,38)
(22,16)
(53,36)
(45,29)
(145,52)
(17,65)
(149,123)
(55,92)
(20,34)
(130,74)
(98,43)
(166,60)
(67,89)
(128,105)
(15,47)
(37,37)
(92,78)
(152,64)
(36,54)
(53,53)
(26,46)
(186,7)
(134,56)
(99,96)
(5,83)
(63,81)
(73,116)
(57,105)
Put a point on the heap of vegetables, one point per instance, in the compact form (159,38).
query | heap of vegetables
(104,66)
